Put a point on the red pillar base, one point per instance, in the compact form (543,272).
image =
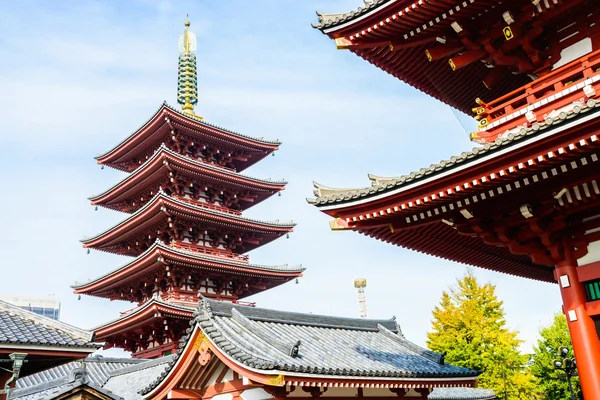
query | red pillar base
(583,331)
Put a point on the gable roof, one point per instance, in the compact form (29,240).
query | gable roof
(22,327)
(262,340)
(98,370)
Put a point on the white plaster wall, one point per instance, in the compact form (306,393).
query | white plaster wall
(255,394)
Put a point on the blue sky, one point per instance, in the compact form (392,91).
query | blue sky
(79,76)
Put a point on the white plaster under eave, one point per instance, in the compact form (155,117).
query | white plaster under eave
(592,256)
(255,394)
(229,396)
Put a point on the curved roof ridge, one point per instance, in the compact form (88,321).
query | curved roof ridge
(147,304)
(73,331)
(144,365)
(164,196)
(164,106)
(330,20)
(162,149)
(160,244)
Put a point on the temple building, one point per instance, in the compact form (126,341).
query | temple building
(526,201)
(184,195)
(234,352)
(30,343)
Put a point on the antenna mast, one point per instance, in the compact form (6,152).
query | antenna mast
(360,284)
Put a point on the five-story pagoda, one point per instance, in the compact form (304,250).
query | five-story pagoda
(185,196)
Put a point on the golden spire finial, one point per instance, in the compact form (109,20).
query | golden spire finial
(187,86)
(187,21)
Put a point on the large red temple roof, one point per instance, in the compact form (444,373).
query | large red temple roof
(394,35)
(163,206)
(165,119)
(507,150)
(167,160)
(409,210)
(160,254)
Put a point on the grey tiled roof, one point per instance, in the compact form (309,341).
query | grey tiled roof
(328,196)
(98,370)
(121,378)
(329,20)
(18,326)
(159,244)
(129,381)
(196,120)
(461,394)
(262,339)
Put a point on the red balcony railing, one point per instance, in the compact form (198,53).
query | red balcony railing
(555,95)
(194,248)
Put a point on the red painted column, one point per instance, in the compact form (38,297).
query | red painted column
(583,331)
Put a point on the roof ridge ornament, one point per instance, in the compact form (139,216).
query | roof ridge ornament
(187,84)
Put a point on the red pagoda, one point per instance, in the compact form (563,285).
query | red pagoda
(527,201)
(185,231)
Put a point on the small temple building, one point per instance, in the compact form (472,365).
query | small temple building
(30,343)
(526,201)
(234,352)
(185,194)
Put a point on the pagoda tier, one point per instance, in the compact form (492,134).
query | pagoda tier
(188,223)
(179,275)
(148,331)
(457,51)
(183,177)
(189,136)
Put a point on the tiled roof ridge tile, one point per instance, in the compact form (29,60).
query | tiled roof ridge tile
(323,197)
(329,20)
(162,195)
(164,105)
(164,149)
(49,323)
(160,244)
(145,365)
(292,317)
(268,337)
(428,354)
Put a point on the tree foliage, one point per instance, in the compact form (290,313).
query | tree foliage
(552,338)
(469,325)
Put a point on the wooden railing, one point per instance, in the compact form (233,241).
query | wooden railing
(211,252)
(554,95)
(210,206)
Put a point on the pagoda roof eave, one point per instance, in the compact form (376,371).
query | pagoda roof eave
(161,199)
(163,152)
(140,313)
(228,265)
(267,145)
(332,22)
(335,201)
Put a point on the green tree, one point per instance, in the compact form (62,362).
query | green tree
(552,338)
(469,326)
